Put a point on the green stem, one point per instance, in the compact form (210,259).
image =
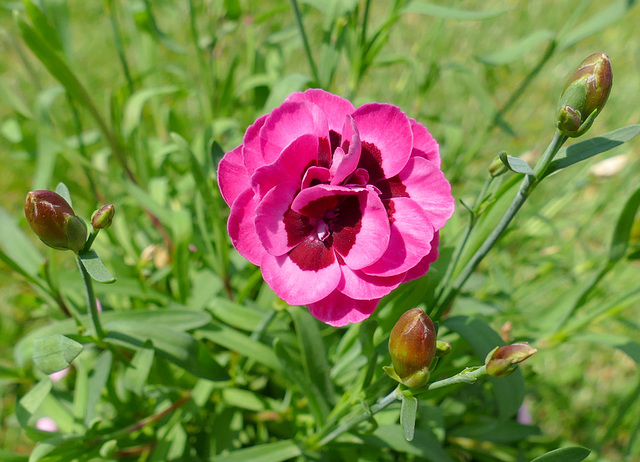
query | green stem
(93,306)
(89,243)
(119,47)
(528,185)
(468,376)
(303,34)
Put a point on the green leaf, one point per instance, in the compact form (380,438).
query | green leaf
(149,203)
(270,452)
(240,343)
(47,446)
(424,443)
(573,454)
(622,232)
(13,100)
(314,352)
(244,399)
(517,50)
(54,353)
(136,374)
(134,106)
(591,147)
(445,12)
(408,416)
(29,403)
(604,17)
(97,383)
(495,432)
(17,249)
(516,165)
(180,320)
(629,347)
(63,190)
(42,25)
(509,391)
(175,346)
(95,267)
(8,456)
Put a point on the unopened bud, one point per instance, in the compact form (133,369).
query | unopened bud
(412,346)
(497,167)
(102,218)
(503,361)
(584,95)
(442,348)
(53,220)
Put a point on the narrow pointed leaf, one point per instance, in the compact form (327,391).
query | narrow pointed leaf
(95,267)
(516,165)
(573,454)
(591,147)
(408,416)
(54,352)
(29,403)
(622,232)
(270,452)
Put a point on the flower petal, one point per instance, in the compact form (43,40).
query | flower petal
(287,123)
(423,266)
(356,284)
(424,145)
(334,106)
(425,183)
(305,275)
(251,151)
(316,201)
(387,139)
(290,166)
(339,310)
(232,175)
(279,228)
(410,241)
(242,228)
(361,230)
(343,163)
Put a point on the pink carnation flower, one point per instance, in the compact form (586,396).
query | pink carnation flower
(338,206)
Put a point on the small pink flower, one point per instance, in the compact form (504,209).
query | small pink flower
(46,424)
(57,376)
(337,205)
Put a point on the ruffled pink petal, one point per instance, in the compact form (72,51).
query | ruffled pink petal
(423,266)
(287,123)
(334,107)
(362,242)
(345,163)
(316,201)
(289,167)
(361,286)
(294,277)
(387,139)
(425,183)
(314,176)
(242,228)
(251,151)
(232,175)
(339,310)
(278,227)
(410,241)
(424,145)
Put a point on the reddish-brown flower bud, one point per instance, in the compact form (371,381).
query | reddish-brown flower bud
(502,361)
(412,346)
(102,218)
(53,220)
(584,95)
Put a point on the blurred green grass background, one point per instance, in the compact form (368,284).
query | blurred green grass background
(436,70)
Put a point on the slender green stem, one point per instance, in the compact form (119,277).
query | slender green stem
(468,376)
(91,298)
(303,34)
(117,36)
(89,243)
(473,219)
(528,185)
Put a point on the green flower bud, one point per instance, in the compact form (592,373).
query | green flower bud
(412,346)
(53,220)
(584,95)
(502,361)
(102,218)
